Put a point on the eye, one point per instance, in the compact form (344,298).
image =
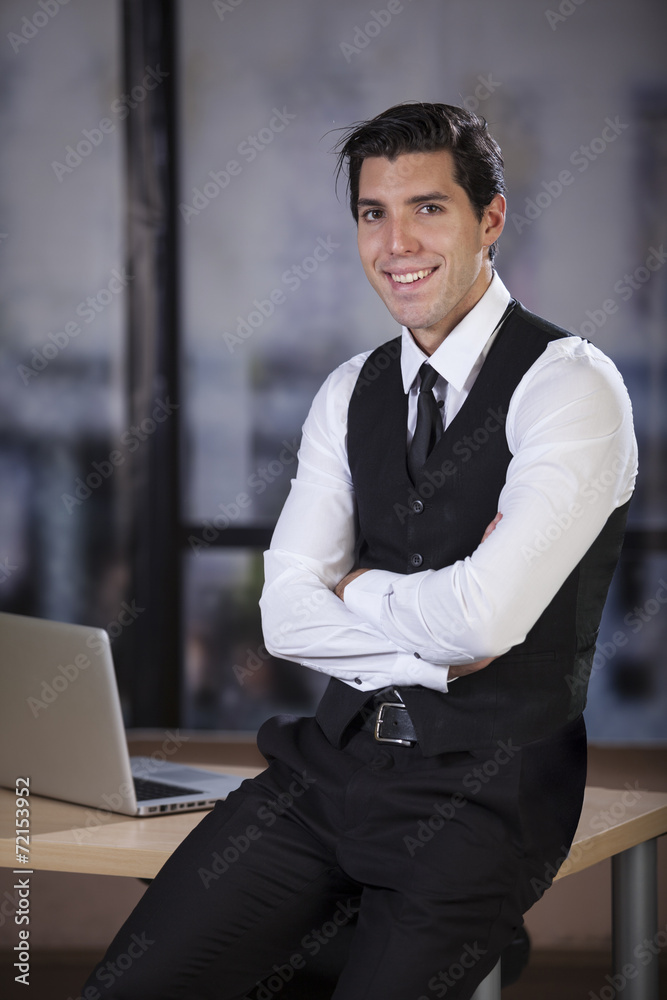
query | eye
(430,209)
(372,214)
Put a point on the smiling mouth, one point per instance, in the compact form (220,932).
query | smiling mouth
(411,277)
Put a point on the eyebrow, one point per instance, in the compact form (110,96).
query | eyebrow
(415,200)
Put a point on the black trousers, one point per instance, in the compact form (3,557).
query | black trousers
(365,873)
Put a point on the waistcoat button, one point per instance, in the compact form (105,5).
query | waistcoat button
(417,506)
(416,559)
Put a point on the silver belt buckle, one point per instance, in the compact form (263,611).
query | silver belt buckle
(378,723)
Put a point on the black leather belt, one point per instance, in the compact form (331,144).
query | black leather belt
(390,723)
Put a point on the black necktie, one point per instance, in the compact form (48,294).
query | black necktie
(429,422)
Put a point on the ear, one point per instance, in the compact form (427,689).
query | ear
(493,220)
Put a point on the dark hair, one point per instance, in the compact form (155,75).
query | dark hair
(426,128)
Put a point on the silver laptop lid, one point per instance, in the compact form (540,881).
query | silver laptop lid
(60,716)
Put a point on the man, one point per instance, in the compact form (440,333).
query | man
(439,558)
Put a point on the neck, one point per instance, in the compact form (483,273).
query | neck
(430,339)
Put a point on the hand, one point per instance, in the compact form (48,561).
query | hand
(469,668)
(454,671)
(339,589)
(490,528)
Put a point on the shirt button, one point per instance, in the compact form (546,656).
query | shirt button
(357,680)
(417,656)
(417,506)
(416,559)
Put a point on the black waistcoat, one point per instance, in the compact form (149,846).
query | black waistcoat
(538,685)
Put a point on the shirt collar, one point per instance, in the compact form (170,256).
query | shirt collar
(456,356)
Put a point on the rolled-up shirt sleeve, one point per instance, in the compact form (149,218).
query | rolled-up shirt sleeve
(574,460)
(312,549)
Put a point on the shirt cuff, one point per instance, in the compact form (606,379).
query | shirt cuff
(411,671)
(363,596)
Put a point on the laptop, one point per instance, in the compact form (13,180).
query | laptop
(61,726)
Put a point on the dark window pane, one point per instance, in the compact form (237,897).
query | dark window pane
(231,681)
(62,287)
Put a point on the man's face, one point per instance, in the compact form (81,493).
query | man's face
(421,244)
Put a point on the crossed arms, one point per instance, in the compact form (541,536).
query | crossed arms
(569,429)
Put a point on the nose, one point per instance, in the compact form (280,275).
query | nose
(401,237)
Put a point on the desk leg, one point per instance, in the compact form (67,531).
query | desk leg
(489,989)
(635,920)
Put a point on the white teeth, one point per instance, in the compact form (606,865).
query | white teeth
(415,276)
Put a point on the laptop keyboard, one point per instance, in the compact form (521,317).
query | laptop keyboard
(146,789)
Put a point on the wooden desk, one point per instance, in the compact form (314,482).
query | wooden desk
(621,824)
(68,838)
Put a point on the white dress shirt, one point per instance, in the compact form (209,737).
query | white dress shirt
(574,460)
